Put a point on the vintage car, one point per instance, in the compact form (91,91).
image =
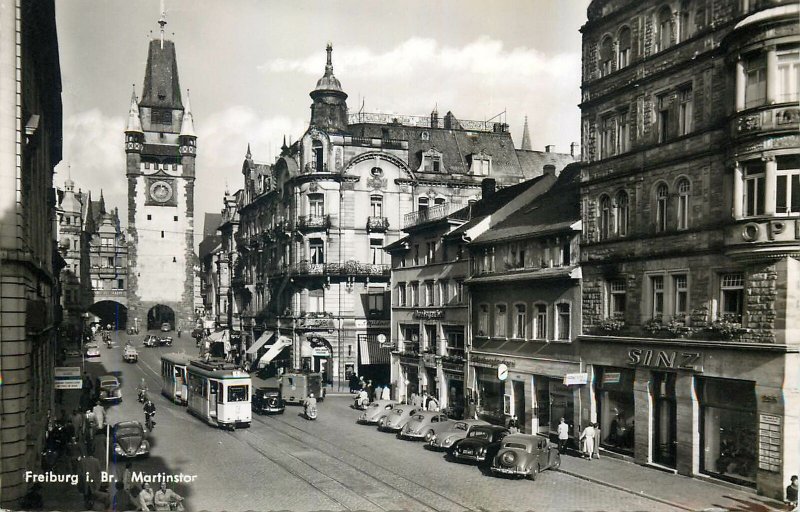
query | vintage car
(480,445)
(424,424)
(108,389)
(525,455)
(130,354)
(397,418)
(166,327)
(268,400)
(150,341)
(375,411)
(128,439)
(92,350)
(444,439)
(165,341)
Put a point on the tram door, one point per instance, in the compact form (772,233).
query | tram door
(212,398)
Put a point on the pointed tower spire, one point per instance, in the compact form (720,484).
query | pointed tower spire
(102,204)
(187,126)
(526,136)
(134,121)
(248,155)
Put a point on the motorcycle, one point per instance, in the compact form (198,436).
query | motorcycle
(360,403)
(311,412)
(142,395)
(148,421)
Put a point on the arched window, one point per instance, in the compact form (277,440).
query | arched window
(622,213)
(317,161)
(684,187)
(624,52)
(606,55)
(662,195)
(664,27)
(605,217)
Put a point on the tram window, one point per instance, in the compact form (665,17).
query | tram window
(214,385)
(237,393)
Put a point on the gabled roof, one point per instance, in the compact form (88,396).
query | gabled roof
(555,210)
(532,162)
(161,87)
(211,222)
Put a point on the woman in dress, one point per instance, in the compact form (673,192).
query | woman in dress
(587,437)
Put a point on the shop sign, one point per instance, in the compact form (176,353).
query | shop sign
(490,362)
(573,379)
(611,377)
(676,360)
(68,377)
(364,324)
(769,442)
(502,372)
(428,314)
(321,352)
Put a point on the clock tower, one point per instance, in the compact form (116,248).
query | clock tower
(160,146)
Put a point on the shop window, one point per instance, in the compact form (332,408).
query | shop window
(376,206)
(316,301)
(520,321)
(316,205)
(616,298)
(755,92)
(662,198)
(754,188)
(728,431)
(787,200)
(316,250)
(616,408)
(415,294)
(605,217)
(623,132)
(657,298)
(430,300)
(606,55)
(789,75)
(624,52)
(684,188)
(681,287)
(731,297)
(500,320)
(685,110)
(401,294)
(540,321)
(563,321)
(664,26)
(623,213)
(490,395)
(483,320)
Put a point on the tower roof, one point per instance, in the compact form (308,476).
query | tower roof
(328,82)
(161,86)
(526,136)
(134,121)
(187,126)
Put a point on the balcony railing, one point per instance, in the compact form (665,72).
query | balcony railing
(435,213)
(313,222)
(377,224)
(349,268)
(418,121)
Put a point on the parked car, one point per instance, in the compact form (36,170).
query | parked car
(480,445)
(423,425)
(166,327)
(375,411)
(128,439)
(165,341)
(397,419)
(92,350)
(150,341)
(268,400)
(130,354)
(108,389)
(525,455)
(444,439)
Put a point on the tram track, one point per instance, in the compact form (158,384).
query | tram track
(413,490)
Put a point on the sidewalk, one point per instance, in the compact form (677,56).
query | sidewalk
(679,491)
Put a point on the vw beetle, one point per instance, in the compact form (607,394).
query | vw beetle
(525,455)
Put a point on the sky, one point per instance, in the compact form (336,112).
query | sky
(250,64)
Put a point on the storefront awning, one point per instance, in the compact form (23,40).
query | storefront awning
(218,336)
(260,342)
(371,351)
(274,350)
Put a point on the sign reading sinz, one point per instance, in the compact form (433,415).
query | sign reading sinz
(674,359)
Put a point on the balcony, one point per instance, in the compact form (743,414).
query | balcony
(763,237)
(435,213)
(377,224)
(350,268)
(768,118)
(314,222)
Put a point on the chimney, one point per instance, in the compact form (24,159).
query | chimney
(488,186)
(572,147)
(549,169)
(435,119)
(549,148)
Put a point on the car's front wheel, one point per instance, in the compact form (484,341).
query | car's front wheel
(429,435)
(556,462)
(534,472)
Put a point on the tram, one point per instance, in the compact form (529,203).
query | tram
(173,377)
(219,393)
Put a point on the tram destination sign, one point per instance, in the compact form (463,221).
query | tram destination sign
(673,359)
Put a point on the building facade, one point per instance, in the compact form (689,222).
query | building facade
(108,267)
(226,260)
(689,252)
(161,146)
(74,248)
(30,147)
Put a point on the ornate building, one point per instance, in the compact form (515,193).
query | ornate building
(313,224)
(161,145)
(73,246)
(108,266)
(690,249)
(30,147)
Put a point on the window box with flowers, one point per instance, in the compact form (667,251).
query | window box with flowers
(609,326)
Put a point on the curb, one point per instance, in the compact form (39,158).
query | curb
(623,489)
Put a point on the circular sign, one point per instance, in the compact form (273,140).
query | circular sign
(382,339)
(502,371)
(161,191)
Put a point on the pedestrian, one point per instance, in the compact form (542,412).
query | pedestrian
(563,436)
(74,453)
(77,422)
(791,493)
(370,390)
(377,393)
(99,416)
(513,425)
(433,404)
(146,497)
(386,395)
(353,381)
(596,451)
(164,497)
(587,438)
(127,476)
(470,412)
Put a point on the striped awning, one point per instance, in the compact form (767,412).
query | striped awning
(260,342)
(371,351)
(281,343)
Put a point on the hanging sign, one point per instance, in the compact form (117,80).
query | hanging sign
(68,377)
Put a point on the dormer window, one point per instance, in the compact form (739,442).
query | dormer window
(481,164)
(432,161)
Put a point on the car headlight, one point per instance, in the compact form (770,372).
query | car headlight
(448,441)
(481,451)
(143,446)
(117,449)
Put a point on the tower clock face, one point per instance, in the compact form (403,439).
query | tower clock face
(161,191)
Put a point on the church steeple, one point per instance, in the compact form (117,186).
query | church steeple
(526,137)
(329,110)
